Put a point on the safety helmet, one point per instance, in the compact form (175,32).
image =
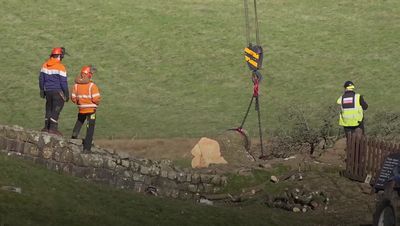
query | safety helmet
(88,71)
(58,51)
(349,85)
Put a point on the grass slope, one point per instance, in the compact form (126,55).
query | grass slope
(175,68)
(49,198)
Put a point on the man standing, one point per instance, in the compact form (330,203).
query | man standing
(86,95)
(352,106)
(53,86)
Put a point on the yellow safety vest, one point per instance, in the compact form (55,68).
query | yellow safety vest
(351,116)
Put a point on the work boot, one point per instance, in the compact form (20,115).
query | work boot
(55,132)
(53,129)
(46,126)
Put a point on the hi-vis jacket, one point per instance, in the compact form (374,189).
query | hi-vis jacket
(352,106)
(86,95)
(53,76)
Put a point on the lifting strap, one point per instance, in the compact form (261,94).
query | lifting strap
(253,54)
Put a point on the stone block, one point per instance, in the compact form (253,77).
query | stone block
(57,155)
(138,177)
(3,143)
(66,168)
(208,188)
(200,188)
(182,186)
(195,178)
(205,178)
(164,173)
(217,190)
(134,165)
(128,174)
(11,145)
(20,146)
(165,183)
(155,170)
(47,152)
(192,188)
(216,180)
(77,158)
(66,156)
(188,177)
(109,162)
(125,163)
(172,175)
(83,172)
(76,142)
(224,180)
(2,130)
(92,160)
(101,173)
(33,138)
(125,183)
(46,138)
(145,170)
(11,133)
(181,177)
(148,180)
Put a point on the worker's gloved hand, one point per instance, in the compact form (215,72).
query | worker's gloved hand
(42,94)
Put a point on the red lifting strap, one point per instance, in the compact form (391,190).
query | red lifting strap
(256,82)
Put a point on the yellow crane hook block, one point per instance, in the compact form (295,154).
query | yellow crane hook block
(253,55)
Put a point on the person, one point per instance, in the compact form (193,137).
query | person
(53,84)
(86,96)
(353,105)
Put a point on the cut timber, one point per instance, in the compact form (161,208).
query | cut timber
(206,152)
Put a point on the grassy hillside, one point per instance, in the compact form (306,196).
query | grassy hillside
(49,198)
(175,68)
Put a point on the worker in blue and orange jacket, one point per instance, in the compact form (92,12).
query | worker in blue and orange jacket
(53,86)
(86,95)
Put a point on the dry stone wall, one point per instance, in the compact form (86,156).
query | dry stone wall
(107,166)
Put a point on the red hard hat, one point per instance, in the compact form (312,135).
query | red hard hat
(57,51)
(88,70)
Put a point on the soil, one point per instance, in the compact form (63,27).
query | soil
(320,173)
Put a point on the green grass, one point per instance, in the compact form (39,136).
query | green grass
(49,198)
(175,68)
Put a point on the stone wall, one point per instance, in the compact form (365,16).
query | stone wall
(107,166)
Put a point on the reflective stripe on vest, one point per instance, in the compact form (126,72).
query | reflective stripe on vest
(351,116)
(90,96)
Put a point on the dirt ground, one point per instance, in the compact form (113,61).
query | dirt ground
(323,173)
(180,148)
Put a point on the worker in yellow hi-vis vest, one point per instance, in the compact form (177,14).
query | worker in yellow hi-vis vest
(352,104)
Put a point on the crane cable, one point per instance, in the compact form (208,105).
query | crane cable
(253,57)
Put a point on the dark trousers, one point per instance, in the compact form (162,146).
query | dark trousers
(91,121)
(54,105)
(359,130)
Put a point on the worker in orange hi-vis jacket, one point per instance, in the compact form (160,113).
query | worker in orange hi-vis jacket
(86,95)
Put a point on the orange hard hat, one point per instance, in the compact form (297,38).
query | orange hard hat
(88,70)
(58,51)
